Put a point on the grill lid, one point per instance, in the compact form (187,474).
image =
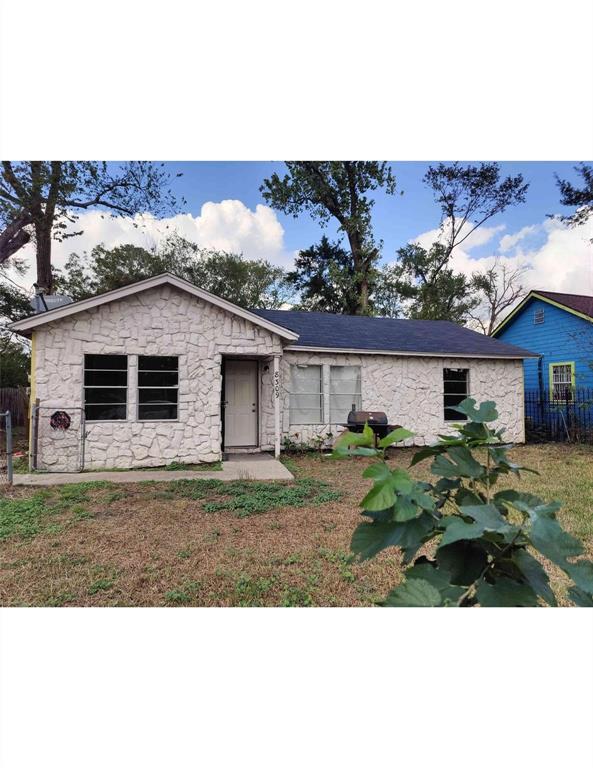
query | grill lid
(367,417)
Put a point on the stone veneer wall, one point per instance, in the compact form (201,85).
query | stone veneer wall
(160,321)
(410,391)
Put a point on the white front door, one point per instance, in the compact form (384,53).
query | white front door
(240,395)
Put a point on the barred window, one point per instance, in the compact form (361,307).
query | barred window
(455,389)
(158,382)
(306,394)
(561,380)
(105,387)
(344,391)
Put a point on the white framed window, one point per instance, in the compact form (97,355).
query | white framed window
(561,380)
(455,389)
(538,316)
(105,387)
(306,394)
(344,392)
(158,387)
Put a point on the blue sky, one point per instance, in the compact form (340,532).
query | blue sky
(397,218)
(225,210)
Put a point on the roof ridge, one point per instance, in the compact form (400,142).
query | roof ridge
(566,293)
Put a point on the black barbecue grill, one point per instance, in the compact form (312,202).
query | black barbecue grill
(377,421)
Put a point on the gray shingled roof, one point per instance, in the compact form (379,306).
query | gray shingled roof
(431,337)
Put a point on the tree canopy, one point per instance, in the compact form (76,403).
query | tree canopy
(248,283)
(340,191)
(39,200)
(580,198)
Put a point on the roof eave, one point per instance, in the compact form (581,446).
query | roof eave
(541,297)
(403,353)
(30,323)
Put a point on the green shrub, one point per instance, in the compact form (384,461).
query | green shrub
(484,538)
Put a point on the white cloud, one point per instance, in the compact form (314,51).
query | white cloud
(562,262)
(228,225)
(480,236)
(510,241)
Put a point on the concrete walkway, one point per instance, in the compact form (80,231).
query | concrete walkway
(238,467)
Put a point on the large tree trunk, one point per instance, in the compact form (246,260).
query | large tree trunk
(43,242)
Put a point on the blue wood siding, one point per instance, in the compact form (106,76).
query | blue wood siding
(562,337)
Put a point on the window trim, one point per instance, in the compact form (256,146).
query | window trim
(90,386)
(320,394)
(459,416)
(551,367)
(138,388)
(343,394)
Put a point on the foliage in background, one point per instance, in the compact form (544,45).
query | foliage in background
(256,284)
(483,538)
(468,196)
(496,290)
(39,200)
(580,198)
(339,190)
(15,361)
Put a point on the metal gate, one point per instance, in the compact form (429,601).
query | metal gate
(5,447)
(57,443)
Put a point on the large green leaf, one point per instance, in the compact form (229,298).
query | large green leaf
(366,438)
(369,539)
(457,462)
(534,573)
(485,515)
(553,542)
(425,453)
(580,598)
(397,436)
(457,529)
(414,593)
(505,593)
(582,575)
(463,560)
(484,413)
(378,471)
(381,496)
(440,580)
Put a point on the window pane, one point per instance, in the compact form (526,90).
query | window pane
(455,389)
(102,362)
(344,379)
(341,405)
(157,396)
(106,378)
(157,411)
(106,395)
(157,378)
(104,412)
(306,400)
(157,363)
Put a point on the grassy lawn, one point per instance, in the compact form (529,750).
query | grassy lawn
(204,542)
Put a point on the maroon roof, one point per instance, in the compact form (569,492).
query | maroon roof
(578,302)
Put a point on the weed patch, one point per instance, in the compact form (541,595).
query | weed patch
(251,498)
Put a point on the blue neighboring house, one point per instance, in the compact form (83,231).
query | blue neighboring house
(559,327)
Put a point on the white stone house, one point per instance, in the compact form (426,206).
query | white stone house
(162,371)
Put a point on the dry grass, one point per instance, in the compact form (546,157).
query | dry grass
(153,544)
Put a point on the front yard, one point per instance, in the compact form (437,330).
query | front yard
(205,543)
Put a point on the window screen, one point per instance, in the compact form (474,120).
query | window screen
(158,379)
(306,394)
(344,392)
(561,381)
(105,387)
(456,389)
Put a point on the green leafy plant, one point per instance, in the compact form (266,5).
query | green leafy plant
(484,540)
